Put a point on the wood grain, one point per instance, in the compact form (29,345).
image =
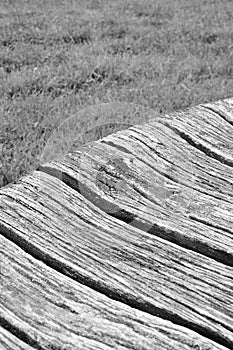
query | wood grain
(126,242)
(222,108)
(151,171)
(57,225)
(206,131)
(51,311)
(10,342)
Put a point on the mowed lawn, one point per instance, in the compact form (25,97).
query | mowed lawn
(60,56)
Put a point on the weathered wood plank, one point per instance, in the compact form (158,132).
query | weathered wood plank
(141,174)
(186,164)
(205,130)
(161,177)
(51,311)
(56,224)
(222,109)
(10,342)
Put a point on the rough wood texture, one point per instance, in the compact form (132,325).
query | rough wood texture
(128,245)
(9,342)
(152,171)
(51,311)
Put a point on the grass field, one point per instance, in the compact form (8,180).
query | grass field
(60,56)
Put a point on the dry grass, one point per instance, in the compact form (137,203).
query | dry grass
(58,57)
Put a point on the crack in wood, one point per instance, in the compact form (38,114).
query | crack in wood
(200,146)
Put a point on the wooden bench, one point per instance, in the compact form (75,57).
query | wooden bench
(126,243)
